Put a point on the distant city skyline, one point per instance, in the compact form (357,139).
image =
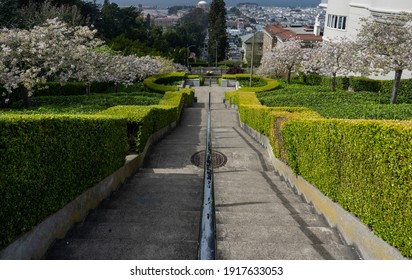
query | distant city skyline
(229,3)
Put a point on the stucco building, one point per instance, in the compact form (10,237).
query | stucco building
(343,16)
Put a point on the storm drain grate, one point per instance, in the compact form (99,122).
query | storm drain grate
(218,159)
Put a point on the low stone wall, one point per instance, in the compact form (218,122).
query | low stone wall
(352,229)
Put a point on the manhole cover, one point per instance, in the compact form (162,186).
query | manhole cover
(218,159)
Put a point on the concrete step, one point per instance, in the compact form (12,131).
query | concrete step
(233,250)
(277,234)
(153,232)
(262,195)
(144,216)
(155,202)
(121,249)
(270,219)
(266,207)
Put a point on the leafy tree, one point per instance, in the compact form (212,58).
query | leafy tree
(38,13)
(217,31)
(385,45)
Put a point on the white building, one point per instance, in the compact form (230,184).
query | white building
(343,16)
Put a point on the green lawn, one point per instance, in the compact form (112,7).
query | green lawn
(83,104)
(339,104)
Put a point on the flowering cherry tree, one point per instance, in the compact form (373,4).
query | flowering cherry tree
(31,57)
(271,66)
(56,51)
(385,45)
(285,57)
(290,55)
(331,58)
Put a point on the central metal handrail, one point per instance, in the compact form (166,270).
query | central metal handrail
(207,231)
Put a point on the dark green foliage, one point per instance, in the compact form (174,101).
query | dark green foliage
(404,91)
(341,82)
(364,84)
(84,104)
(339,104)
(235,70)
(70,88)
(48,160)
(365,166)
(217,31)
(311,79)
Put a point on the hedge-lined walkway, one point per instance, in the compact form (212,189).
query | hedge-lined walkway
(156,214)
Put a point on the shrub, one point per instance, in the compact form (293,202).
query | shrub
(47,160)
(342,83)
(235,70)
(365,166)
(339,104)
(364,84)
(143,121)
(163,83)
(84,104)
(404,91)
(311,79)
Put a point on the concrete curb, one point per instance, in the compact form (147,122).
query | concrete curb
(352,229)
(34,244)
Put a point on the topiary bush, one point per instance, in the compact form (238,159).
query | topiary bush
(164,82)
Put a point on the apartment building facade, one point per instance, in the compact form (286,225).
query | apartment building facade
(343,16)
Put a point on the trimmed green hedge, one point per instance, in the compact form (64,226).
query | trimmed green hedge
(404,91)
(342,83)
(143,121)
(364,84)
(270,84)
(163,82)
(365,166)
(47,160)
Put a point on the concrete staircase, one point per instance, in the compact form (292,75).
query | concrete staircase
(156,214)
(269,221)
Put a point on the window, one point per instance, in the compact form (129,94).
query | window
(337,22)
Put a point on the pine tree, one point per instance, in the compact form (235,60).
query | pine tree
(8,14)
(217,31)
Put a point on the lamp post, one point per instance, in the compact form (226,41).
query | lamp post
(251,60)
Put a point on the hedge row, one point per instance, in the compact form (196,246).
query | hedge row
(365,166)
(360,84)
(270,84)
(48,160)
(143,121)
(163,82)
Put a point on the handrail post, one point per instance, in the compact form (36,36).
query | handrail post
(207,231)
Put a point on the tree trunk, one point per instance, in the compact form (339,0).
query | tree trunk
(333,82)
(289,75)
(396,83)
(26,97)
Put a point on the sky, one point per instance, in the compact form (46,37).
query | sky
(229,3)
